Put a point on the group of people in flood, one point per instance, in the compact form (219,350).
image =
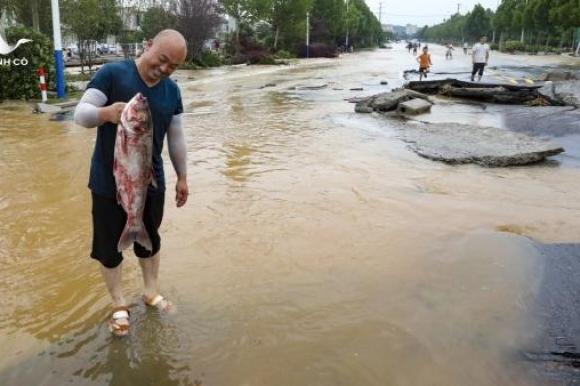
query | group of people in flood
(479,53)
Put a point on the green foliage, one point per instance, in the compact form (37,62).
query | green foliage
(283,54)
(91,19)
(131,37)
(477,24)
(546,19)
(79,77)
(155,20)
(450,30)
(542,21)
(210,59)
(35,14)
(514,45)
(21,82)
(283,22)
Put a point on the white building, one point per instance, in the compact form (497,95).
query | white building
(388,28)
(411,29)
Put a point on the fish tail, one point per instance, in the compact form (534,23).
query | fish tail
(144,239)
(134,233)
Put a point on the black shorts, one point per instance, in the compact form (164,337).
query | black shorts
(478,67)
(109,220)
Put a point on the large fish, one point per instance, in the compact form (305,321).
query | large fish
(133,170)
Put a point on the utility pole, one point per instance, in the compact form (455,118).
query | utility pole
(346,40)
(381,13)
(58,62)
(458,7)
(307,34)
(522,38)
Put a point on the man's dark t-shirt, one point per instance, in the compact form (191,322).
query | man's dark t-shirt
(120,82)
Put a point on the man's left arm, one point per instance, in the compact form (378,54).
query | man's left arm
(178,154)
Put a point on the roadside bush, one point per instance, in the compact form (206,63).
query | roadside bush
(514,45)
(533,49)
(190,66)
(283,54)
(21,82)
(210,59)
(319,50)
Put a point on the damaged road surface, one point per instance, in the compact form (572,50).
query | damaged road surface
(487,92)
(456,143)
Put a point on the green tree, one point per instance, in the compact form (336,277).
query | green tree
(90,20)
(477,23)
(156,19)
(35,14)
(21,82)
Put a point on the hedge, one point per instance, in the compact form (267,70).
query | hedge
(21,81)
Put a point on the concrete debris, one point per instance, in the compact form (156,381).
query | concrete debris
(486,92)
(414,106)
(456,143)
(388,101)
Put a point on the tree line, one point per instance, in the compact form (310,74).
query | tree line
(275,24)
(517,23)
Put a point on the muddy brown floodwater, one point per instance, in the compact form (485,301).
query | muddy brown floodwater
(315,248)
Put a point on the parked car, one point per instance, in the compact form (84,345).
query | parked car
(114,49)
(102,49)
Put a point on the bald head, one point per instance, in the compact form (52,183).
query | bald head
(170,40)
(170,36)
(163,55)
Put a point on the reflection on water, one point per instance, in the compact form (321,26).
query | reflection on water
(315,248)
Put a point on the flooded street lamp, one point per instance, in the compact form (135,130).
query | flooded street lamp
(59,63)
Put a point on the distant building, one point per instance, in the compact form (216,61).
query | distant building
(411,29)
(228,26)
(388,28)
(400,31)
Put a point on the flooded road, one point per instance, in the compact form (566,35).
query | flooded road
(315,248)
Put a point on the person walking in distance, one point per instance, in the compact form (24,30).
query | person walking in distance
(424,63)
(449,52)
(480,55)
(102,105)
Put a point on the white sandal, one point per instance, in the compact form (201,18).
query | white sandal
(116,328)
(159,302)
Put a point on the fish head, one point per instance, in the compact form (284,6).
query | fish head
(136,117)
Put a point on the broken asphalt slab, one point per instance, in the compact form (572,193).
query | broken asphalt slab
(488,92)
(456,143)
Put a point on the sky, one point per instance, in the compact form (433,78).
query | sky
(423,12)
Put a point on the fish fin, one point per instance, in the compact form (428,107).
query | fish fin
(142,237)
(153,180)
(127,239)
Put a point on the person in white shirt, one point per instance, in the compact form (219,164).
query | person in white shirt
(480,53)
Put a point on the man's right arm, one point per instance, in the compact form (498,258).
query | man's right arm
(91,110)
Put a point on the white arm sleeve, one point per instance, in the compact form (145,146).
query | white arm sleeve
(86,112)
(177,146)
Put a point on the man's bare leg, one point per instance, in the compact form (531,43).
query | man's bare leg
(112,278)
(150,269)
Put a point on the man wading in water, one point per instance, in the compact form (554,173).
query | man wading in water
(101,105)
(480,53)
